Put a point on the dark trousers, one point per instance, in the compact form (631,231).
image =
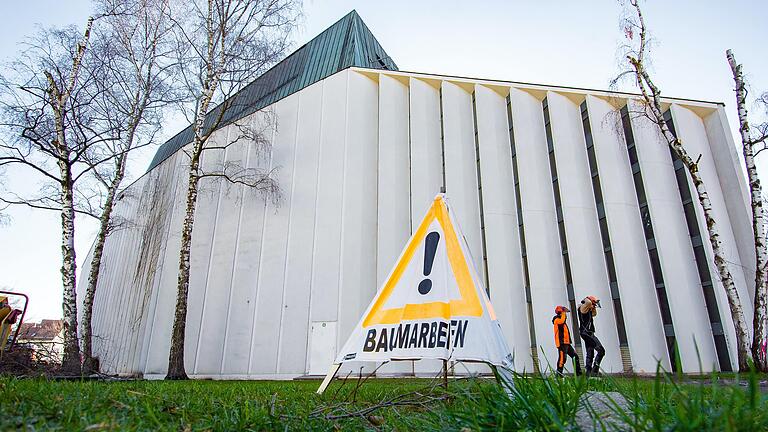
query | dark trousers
(562,351)
(592,343)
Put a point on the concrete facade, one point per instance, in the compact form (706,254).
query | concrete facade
(276,289)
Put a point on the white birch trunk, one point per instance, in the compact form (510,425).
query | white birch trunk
(59,99)
(89,363)
(734,302)
(71,359)
(176,370)
(70,364)
(758,218)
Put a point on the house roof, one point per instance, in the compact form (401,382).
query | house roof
(346,43)
(44,331)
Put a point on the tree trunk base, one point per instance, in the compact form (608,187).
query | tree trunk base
(761,364)
(71,369)
(91,366)
(176,376)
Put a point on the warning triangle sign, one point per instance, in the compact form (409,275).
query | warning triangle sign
(432,305)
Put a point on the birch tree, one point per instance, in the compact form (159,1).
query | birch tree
(46,123)
(222,45)
(636,57)
(132,58)
(753,141)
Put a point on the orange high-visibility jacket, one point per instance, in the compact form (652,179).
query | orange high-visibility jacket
(562,333)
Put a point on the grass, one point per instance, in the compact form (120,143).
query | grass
(658,404)
(174,405)
(476,404)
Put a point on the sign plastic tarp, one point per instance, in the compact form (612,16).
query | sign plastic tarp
(432,305)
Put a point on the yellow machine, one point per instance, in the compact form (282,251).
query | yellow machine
(8,317)
(5,327)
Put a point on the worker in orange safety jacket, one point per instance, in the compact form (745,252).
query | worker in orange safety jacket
(563,340)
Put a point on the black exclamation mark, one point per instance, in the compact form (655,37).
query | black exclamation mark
(430,247)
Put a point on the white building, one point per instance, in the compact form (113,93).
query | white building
(557,196)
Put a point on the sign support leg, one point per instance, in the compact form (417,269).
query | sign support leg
(445,374)
(505,378)
(331,373)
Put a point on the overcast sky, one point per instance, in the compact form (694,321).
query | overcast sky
(562,42)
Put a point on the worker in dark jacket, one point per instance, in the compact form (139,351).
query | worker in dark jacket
(563,340)
(587,313)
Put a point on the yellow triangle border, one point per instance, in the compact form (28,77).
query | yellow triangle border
(468,305)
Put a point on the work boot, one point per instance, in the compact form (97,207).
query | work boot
(596,371)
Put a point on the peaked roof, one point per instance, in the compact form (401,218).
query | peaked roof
(346,43)
(46,330)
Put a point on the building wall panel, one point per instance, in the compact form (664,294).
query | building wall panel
(218,289)
(298,275)
(585,249)
(360,156)
(645,332)
(142,292)
(461,167)
(106,332)
(109,334)
(163,205)
(735,194)
(505,273)
(201,252)
(393,187)
(674,246)
(240,316)
(327,236)
(101,301)
(271,301)
(426,157)
(359,206)
(692,131)
(732,179)
(165,303)
(426,163)
(461,178)
(543,246)
(130,301)
(139,275)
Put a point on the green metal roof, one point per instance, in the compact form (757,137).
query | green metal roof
(346,43)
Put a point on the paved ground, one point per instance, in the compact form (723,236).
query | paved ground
(763,384)
(597,411)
